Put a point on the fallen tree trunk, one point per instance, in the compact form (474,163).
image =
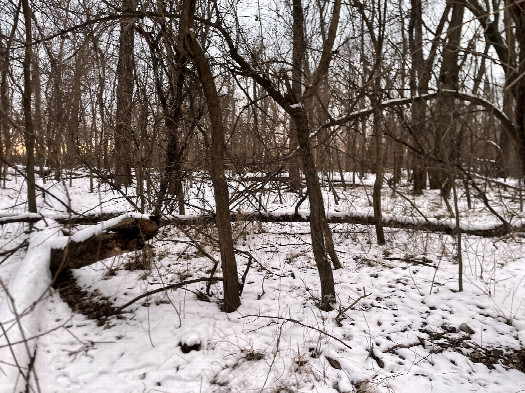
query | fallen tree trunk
(495,231)
(128,234)
(499,230)
(24,217)
(66,219)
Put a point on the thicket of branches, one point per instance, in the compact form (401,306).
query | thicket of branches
(148,93)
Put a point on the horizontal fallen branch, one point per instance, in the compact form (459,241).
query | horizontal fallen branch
(167,287)
(24,217)
(65,219)
(495,231)
(499,230)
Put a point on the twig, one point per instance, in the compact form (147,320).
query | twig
(171,286)
(339,316)
(201,249)
(274,355)
(30,368)
(10,252)
(300,324)
(245,274)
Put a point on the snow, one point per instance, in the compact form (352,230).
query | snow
(21,312)
(13,216)
(408,303)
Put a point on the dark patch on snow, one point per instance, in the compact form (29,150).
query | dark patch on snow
(334,363)
(254,356)
(454,339)
(83,302)
(185,348)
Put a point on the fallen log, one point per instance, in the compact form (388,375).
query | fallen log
(430,226)
(24,217)
(88,219)
(207,219)
(128,234)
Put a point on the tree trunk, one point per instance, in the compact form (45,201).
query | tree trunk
(418,109)
(420,76)
(445,148)
(317,212)
(518,14)
(318,225)
(293,103)
(130,234)
(124,111)
(29,133)
(379,168)
(220,187)
(298,48)
(508,153)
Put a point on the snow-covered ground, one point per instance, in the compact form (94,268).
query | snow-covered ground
(395,327)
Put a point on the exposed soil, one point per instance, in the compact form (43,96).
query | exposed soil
(454,339)
(92,305)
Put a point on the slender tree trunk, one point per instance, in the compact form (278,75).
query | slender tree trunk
(317,213)
(507,140)
(5,101)
(171,180)
(124,111)
(5,106)
(294,161)
(293,103)
(75,99)
(298,49)
(29,133)
(446,149)
(379,168)
(220,187)
(420,76)
(322,243)
(518,14)
(418,110)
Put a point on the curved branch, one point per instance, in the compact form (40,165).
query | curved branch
(500,115)
(171,286)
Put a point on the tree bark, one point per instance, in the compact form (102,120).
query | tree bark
(298,50)
(421,73)
(124,111)
(5,101)
(171,102)
(317,212)
(29,133)
(518,14)
(418,109)
(445,148)
(220,187)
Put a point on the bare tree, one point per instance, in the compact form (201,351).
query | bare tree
(488,17)
(445,143)
(5,102)
(421,74)
(293,102)
(518,85)
(123,115)
(29,131)
(194,50)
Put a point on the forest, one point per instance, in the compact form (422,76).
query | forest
(262,196)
